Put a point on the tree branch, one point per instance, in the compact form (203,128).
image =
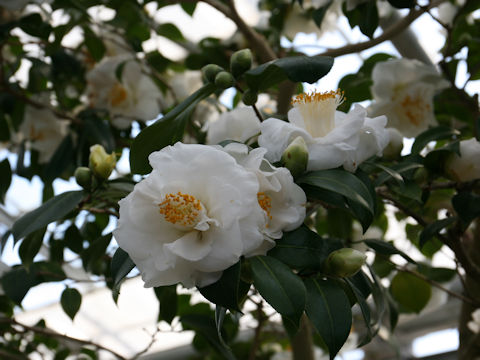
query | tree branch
(388,34)
(51,333)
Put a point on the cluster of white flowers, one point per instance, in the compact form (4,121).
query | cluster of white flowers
(333,138)
(202,208)
(130,96)
(403,90)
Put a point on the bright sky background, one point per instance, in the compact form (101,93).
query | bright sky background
(24,195)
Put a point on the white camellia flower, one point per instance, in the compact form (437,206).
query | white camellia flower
(239,124)
(135,97)
(403,90)
(333,138)
(43,131)
(474,325)
(283,201)
(467,166)
(192,217)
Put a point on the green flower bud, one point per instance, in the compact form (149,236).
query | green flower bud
(83,177)
(240,62)
(210,71)
(101,163)
(295,156)
(344,262)
(249,97)
(224,80)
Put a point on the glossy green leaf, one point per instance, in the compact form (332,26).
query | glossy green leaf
(433,134)
(279,286)
(411,292)
(438,274)
(17,282)
(365,15)
(303,248)
(341,182)
(165,131)
(54,209)
(94,44)
(5,178)
(189,7)
(121,265)
(364,308)
(205,325)
(170,31)
(71,300)
(319,13)
(434,228)
(329,311)
(168,299)
(295,68)
(395,171)
(30,246)
(467,206)
(386,248)
(226,291)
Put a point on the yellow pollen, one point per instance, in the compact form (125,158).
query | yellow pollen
(181,209)
(118,94)
(415,108)
(265,203)
(305,98)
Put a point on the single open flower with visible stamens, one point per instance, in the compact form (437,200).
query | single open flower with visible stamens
(403,90)
(333,138)
(194,216)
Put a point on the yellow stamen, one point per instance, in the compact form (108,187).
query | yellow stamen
(318,110)
(181,209)
(415,108)
(265,203)
(118,94)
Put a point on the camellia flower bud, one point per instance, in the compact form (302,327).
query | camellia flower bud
(240,62)
(295,156)
(101,163)
(210,71)
(83,177)
(344,262)
(224,80)
(249,97)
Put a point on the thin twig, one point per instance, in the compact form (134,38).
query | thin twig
(259,115)
(51,333)
(150,344)
(258,331)
(386,35)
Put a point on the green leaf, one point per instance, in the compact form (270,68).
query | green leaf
(386,248)
(303,248)
(71,300)
(121,265)
(341,182)
(319,13)
(205,325)
(281,288)
(73,239)
(364,308)
(434,228)
(296,68)
(167,297)
(226,291)
(411,292)
(365,15)
(438,274)
(94,44)
(467,206)
(17,282)
(392,171)
(54,209)
(33,25)
(5,178)
(170,31)
(433,134)
(220,313)
(30,246)
(163,132)
(60,161)
(329,310)
(189,7)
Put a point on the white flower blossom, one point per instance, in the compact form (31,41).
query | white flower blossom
(239,124)
(333,138)
(283,201)
(135,97)
(43,131)
(474,325)
(465,167)
(192,217)
(403,90)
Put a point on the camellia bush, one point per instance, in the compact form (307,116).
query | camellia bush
(268,200)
